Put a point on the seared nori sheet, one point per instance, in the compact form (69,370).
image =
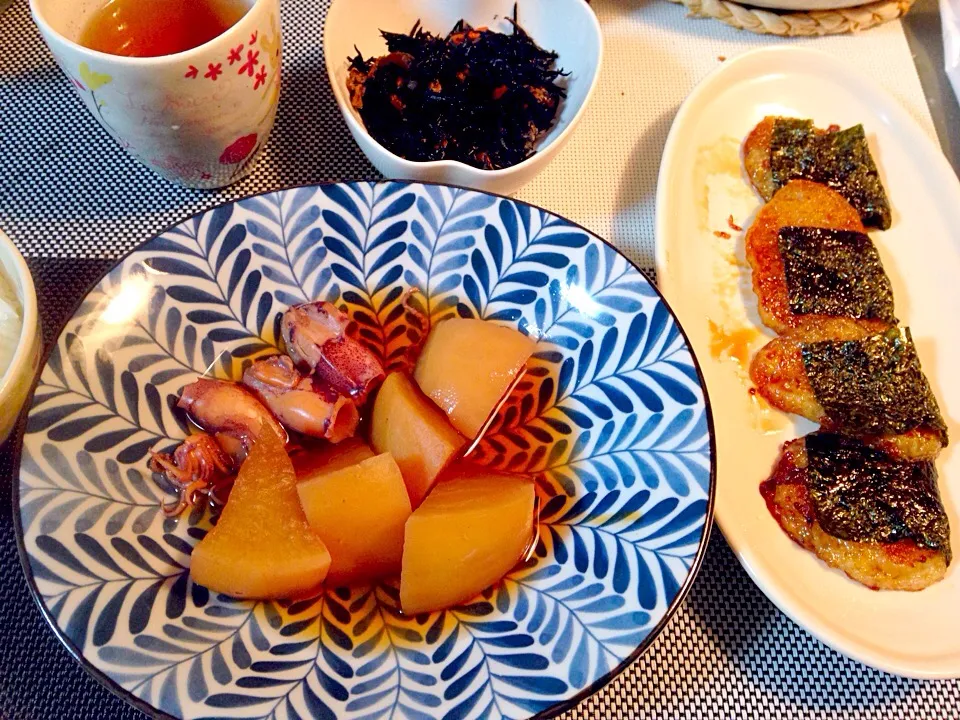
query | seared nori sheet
(862,494)
(872,386)
(792,152)
(834,272)
(841,160)
(844,163)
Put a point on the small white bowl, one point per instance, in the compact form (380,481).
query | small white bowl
(16,381)
(568,27)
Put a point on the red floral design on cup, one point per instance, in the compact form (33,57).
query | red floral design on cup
(238,151)
(252,66)
(253,59)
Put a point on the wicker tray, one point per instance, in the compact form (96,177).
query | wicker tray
(798,23)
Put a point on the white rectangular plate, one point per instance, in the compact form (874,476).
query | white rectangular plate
(911,634)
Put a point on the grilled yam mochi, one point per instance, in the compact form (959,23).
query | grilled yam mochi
(855,383)
(781,149)
(813,264)
(878,519)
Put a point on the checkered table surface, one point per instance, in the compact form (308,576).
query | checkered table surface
(73,202)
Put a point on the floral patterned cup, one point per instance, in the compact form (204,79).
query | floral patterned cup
(198,117)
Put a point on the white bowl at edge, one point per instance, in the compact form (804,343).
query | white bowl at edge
(16,381)
(567,27)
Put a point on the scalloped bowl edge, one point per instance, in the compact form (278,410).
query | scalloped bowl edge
(582,32)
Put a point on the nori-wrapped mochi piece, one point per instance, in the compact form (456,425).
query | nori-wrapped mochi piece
(841,160)
(860,493)
(872,386)
(836,273)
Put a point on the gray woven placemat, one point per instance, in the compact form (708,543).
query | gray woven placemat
(69,196)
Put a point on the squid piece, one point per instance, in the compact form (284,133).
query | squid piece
(230,412)
(203,465)
(198,458)
(197,467)
(316,339)
(302,403)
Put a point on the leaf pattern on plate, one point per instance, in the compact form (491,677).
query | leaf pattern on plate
(610,417)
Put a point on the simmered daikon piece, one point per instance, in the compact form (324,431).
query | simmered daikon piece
(262,546)
(468,366)
(411,428)
(468,533)
(312,462)
(359,512)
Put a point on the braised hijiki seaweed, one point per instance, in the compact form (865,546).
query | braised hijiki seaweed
(477,96)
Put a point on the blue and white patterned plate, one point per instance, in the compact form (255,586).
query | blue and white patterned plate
(614,420)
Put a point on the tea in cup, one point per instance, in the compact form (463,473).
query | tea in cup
(189,87)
